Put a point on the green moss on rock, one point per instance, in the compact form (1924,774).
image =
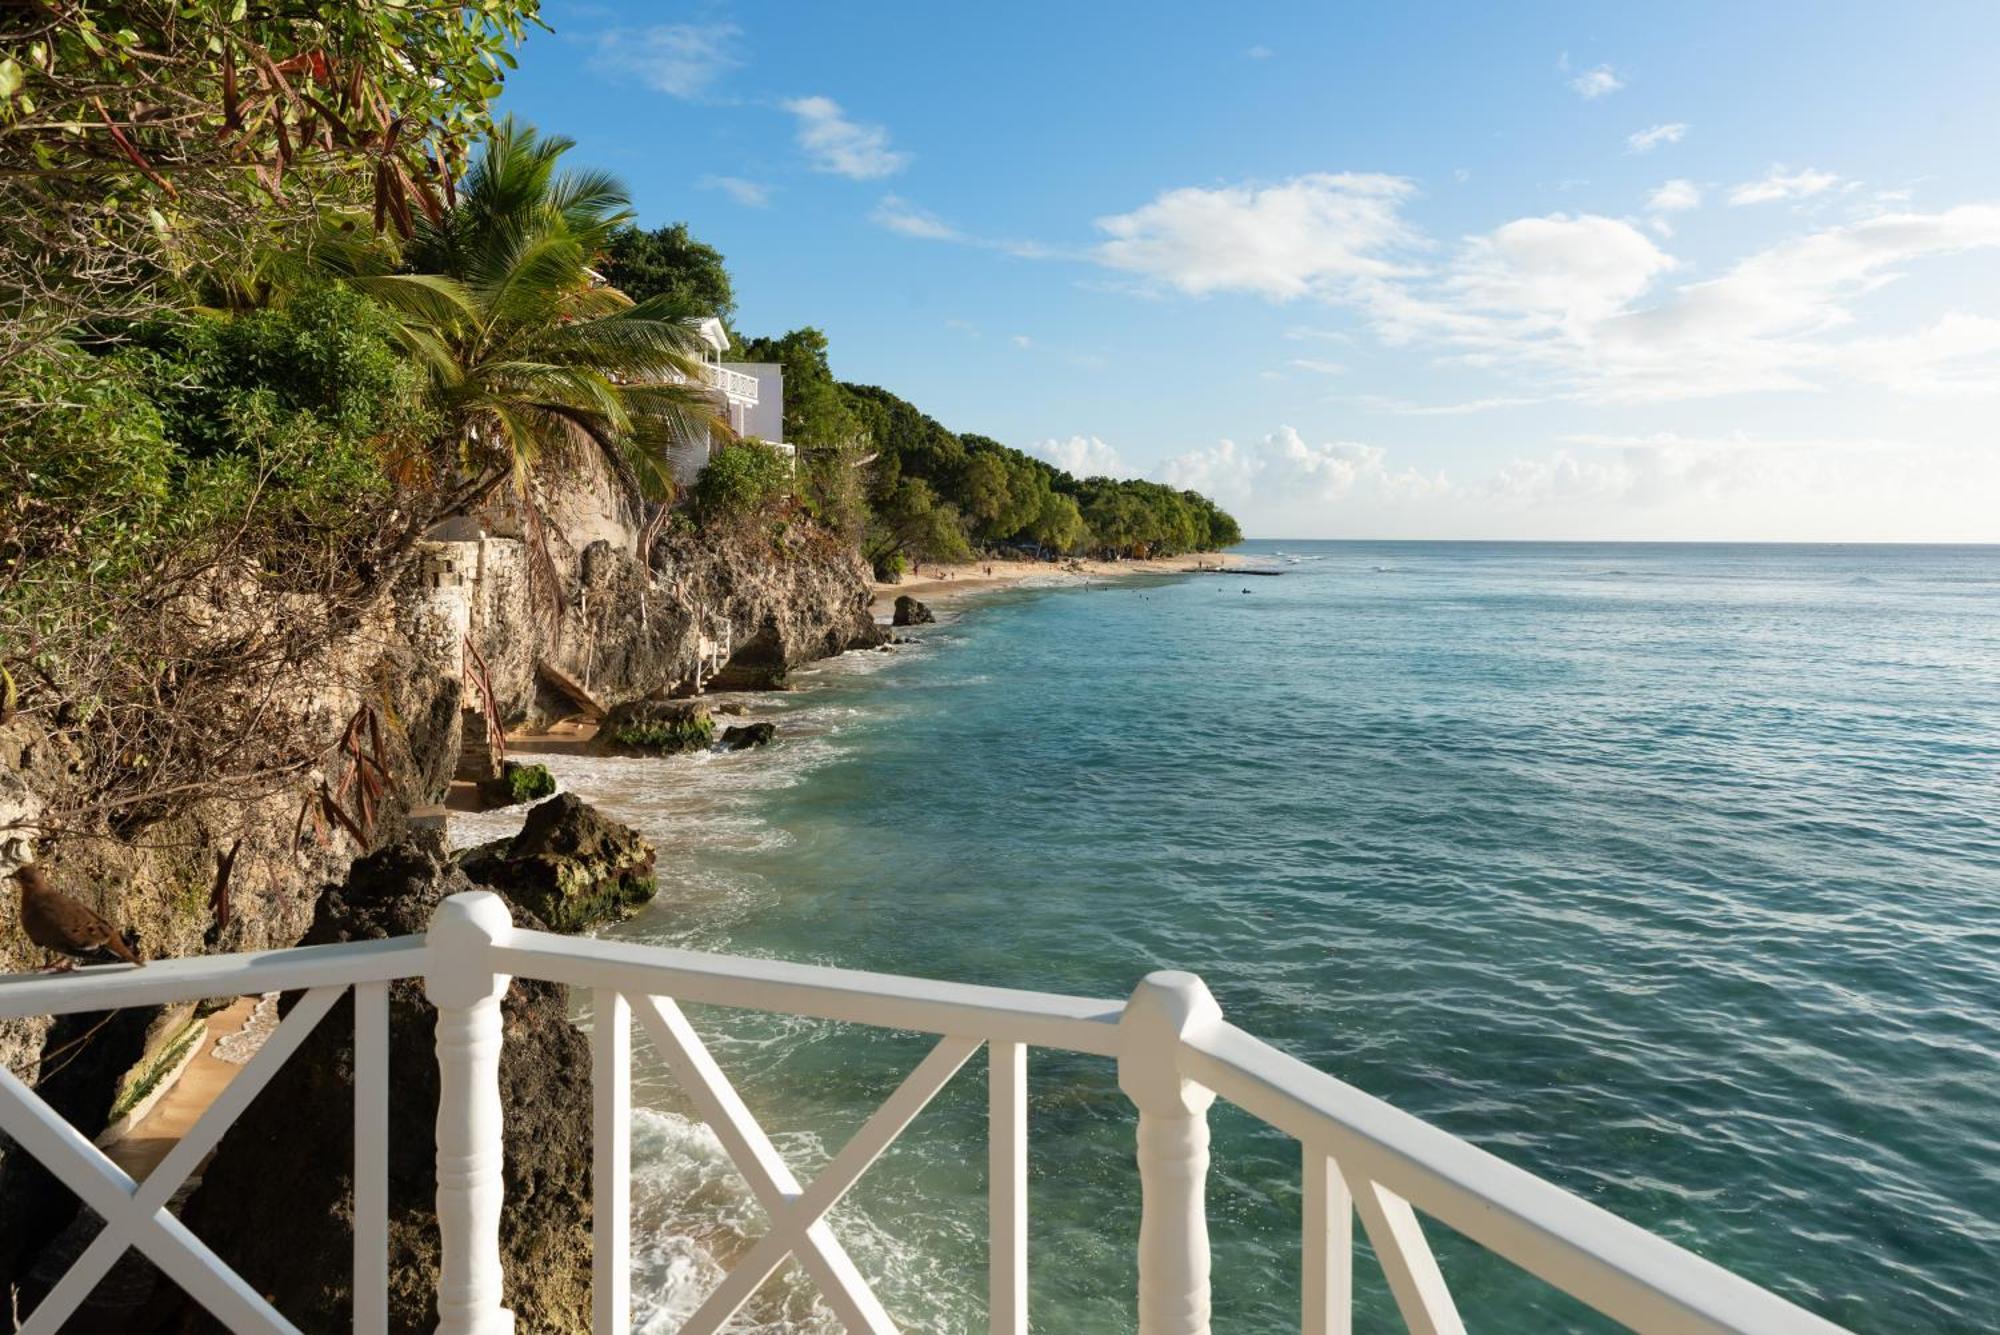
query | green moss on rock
(571,866)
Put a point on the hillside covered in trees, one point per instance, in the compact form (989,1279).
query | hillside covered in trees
(898,482)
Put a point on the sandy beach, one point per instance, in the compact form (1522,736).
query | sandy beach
(932,583)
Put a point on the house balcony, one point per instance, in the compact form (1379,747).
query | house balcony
(739,389)
(1174,1053)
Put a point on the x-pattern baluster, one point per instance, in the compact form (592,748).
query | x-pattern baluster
(798,1222)
(134,1213)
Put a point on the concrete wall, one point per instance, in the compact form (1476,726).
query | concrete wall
(766,421)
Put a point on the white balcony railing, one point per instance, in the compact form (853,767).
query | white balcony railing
(1175,1055)
(738,387)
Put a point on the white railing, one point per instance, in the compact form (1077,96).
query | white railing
(1175,1056)
(735,384)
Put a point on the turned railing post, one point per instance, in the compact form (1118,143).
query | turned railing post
(1173,1149)
(466,991)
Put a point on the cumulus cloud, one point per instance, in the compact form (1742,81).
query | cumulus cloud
(841,146)
(1675,196)
(1595,83)
(1778,184)
(1664,485)
(680,59)
(1083,456)
(1645,141)
(1310,234)
(750,194)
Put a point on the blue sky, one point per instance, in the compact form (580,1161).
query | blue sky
(1563,271)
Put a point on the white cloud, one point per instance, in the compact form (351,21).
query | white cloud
(750,194)
(1310,234)
(1259,52)
(1645,141)
(1301,332)
(1573,270)
(1316,366)
(1593,84)
(1283,485)
(1023,341)
(1778,184)
(842,146)
(900,215)
(1664,485)
(1083,456)
(1675,196)
(681,59)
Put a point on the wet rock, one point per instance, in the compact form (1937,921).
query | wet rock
(656,728)
(276,1201)
(571,866)
(744,736)
(520,783)
(910,612)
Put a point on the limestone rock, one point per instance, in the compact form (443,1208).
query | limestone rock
(570,866)
(275,1203)
(656,728)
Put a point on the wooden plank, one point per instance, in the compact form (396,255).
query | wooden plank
(1007,1188)
(1327,1249)
(610,1164)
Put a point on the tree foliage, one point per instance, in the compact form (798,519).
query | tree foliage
(147,140)
(667,263)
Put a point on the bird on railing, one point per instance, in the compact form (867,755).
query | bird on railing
(56,922)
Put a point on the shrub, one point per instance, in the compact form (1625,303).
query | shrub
(739,480)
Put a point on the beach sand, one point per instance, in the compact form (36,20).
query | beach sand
(932,583)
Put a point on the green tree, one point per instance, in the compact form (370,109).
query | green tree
(147,140)
(527,352)
(741,479)
(817,414)
(670,264)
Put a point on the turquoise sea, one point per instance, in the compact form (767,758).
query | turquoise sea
(1670,873)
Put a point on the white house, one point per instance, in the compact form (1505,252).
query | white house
(750,396)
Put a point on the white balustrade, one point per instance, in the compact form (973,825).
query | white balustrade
(1175,1053)
(466,990)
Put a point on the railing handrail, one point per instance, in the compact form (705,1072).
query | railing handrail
(1175,1055)
(1606,1261)
(888,1001)
(108,987)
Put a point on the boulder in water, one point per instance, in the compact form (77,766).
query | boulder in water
(571,866)
(744,736)
(656,728)
(910,612)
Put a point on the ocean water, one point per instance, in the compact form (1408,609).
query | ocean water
(1670,873)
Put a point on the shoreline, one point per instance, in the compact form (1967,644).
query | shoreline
(937,586)
(944,585)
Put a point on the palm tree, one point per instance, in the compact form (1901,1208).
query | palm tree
(528,349)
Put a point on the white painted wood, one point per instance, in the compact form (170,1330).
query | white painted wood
(371,1158)
(610,1164)
(788,1231)
(1039,1019)
(466,990)
(1164,1010)
(1007,1188)
(1326,1249)
(770,1179)
(110,987)
(1639,1279)
(1633,1276)
(150,1197)
(110,1194)
(1407,1261)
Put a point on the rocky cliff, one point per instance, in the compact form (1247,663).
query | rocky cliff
(486,624)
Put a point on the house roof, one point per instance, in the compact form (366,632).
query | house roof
(713,333)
